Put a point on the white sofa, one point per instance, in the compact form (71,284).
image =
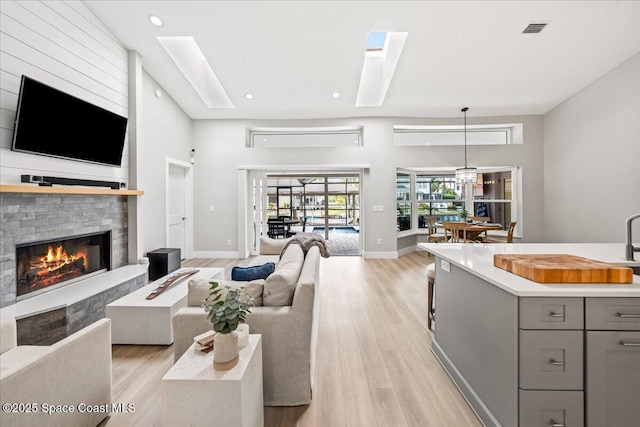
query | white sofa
(73,372)
(289,333)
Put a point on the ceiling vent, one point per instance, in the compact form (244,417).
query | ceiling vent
(534,28)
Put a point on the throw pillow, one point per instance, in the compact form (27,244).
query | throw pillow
(281,284)
(269,246)
(246,274)
(199,290)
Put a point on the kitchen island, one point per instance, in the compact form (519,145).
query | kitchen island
(533,354)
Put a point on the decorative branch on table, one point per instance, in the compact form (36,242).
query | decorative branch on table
(226,313)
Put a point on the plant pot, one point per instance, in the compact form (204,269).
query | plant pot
(225,351)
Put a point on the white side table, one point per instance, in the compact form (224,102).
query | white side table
(137,320)
(195,394)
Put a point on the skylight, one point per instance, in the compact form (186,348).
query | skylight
(375,41)
(380,60)
(186,54)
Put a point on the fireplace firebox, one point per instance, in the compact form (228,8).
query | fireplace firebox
(46,265)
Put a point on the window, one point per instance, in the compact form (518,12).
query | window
(403,208)
(494,134)
(304,137)
(438,195)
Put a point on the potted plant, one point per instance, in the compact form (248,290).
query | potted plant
(463,215)
(226,312)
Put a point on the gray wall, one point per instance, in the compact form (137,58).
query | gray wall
(592,160)
(220,148)
(61,44)
(164,131)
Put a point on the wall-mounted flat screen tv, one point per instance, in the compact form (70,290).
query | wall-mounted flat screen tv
(53,123)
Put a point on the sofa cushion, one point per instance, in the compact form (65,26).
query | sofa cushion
(20,357)
(247,274)
(199,290)
(269,246)
(280,286)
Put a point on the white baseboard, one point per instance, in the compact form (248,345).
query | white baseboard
(380,255)
(407,250)
(215,254)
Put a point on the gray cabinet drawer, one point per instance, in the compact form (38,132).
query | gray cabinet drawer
(551,360)
(551,408)
(613,314)
(551,313)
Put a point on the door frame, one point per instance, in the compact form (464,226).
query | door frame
(188,202)
(245,189)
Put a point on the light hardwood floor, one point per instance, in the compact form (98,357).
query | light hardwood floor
(374,364)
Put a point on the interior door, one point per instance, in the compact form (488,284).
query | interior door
(176,209)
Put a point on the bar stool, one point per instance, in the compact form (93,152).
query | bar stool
(431,279)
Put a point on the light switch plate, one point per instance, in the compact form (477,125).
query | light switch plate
(445,266)
(378,208)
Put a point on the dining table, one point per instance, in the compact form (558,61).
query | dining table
(468,231)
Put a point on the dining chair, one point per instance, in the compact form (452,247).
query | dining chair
(434,235)
(457,230)
(512,226)
(276,228)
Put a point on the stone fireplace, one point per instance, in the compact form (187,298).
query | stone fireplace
(46,265)
(63,258)
(28,219)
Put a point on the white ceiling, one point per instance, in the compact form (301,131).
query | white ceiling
(292,55)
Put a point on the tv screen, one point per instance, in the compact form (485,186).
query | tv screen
(54,123)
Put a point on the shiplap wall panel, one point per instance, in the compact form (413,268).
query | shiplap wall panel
(16,49)
(54,34)
(70,14)
(79,7)
(89,40)
(61,44)
(32,40)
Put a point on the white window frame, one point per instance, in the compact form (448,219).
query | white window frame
(515,202)
(304,137)
(483,134)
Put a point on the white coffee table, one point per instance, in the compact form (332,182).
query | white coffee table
(137,320)
(195,394)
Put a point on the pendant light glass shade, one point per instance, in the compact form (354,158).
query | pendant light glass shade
(466,175)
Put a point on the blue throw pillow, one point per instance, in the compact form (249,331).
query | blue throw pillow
(247,274)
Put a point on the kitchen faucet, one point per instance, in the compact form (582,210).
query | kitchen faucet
(629,248)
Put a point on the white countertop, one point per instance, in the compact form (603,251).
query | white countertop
(478,260)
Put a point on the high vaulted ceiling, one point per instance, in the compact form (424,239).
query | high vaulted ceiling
(292,55)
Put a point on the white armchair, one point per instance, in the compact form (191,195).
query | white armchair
(75,371)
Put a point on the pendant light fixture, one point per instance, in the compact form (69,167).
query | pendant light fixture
(466,175)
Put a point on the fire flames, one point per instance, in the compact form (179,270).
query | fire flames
(55,259)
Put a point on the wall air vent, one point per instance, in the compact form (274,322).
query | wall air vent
(534,28)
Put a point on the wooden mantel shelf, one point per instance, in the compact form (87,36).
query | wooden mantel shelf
(67,190)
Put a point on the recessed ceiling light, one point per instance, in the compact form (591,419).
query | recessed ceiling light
(248,95)
(336,94)
(155,20)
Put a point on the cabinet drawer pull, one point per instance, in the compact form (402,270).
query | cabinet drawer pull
(552,423)
(628,316)
(630,344)
(555,362)
(552,314)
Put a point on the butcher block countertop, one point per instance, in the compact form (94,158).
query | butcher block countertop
(478,259)
(562,268)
